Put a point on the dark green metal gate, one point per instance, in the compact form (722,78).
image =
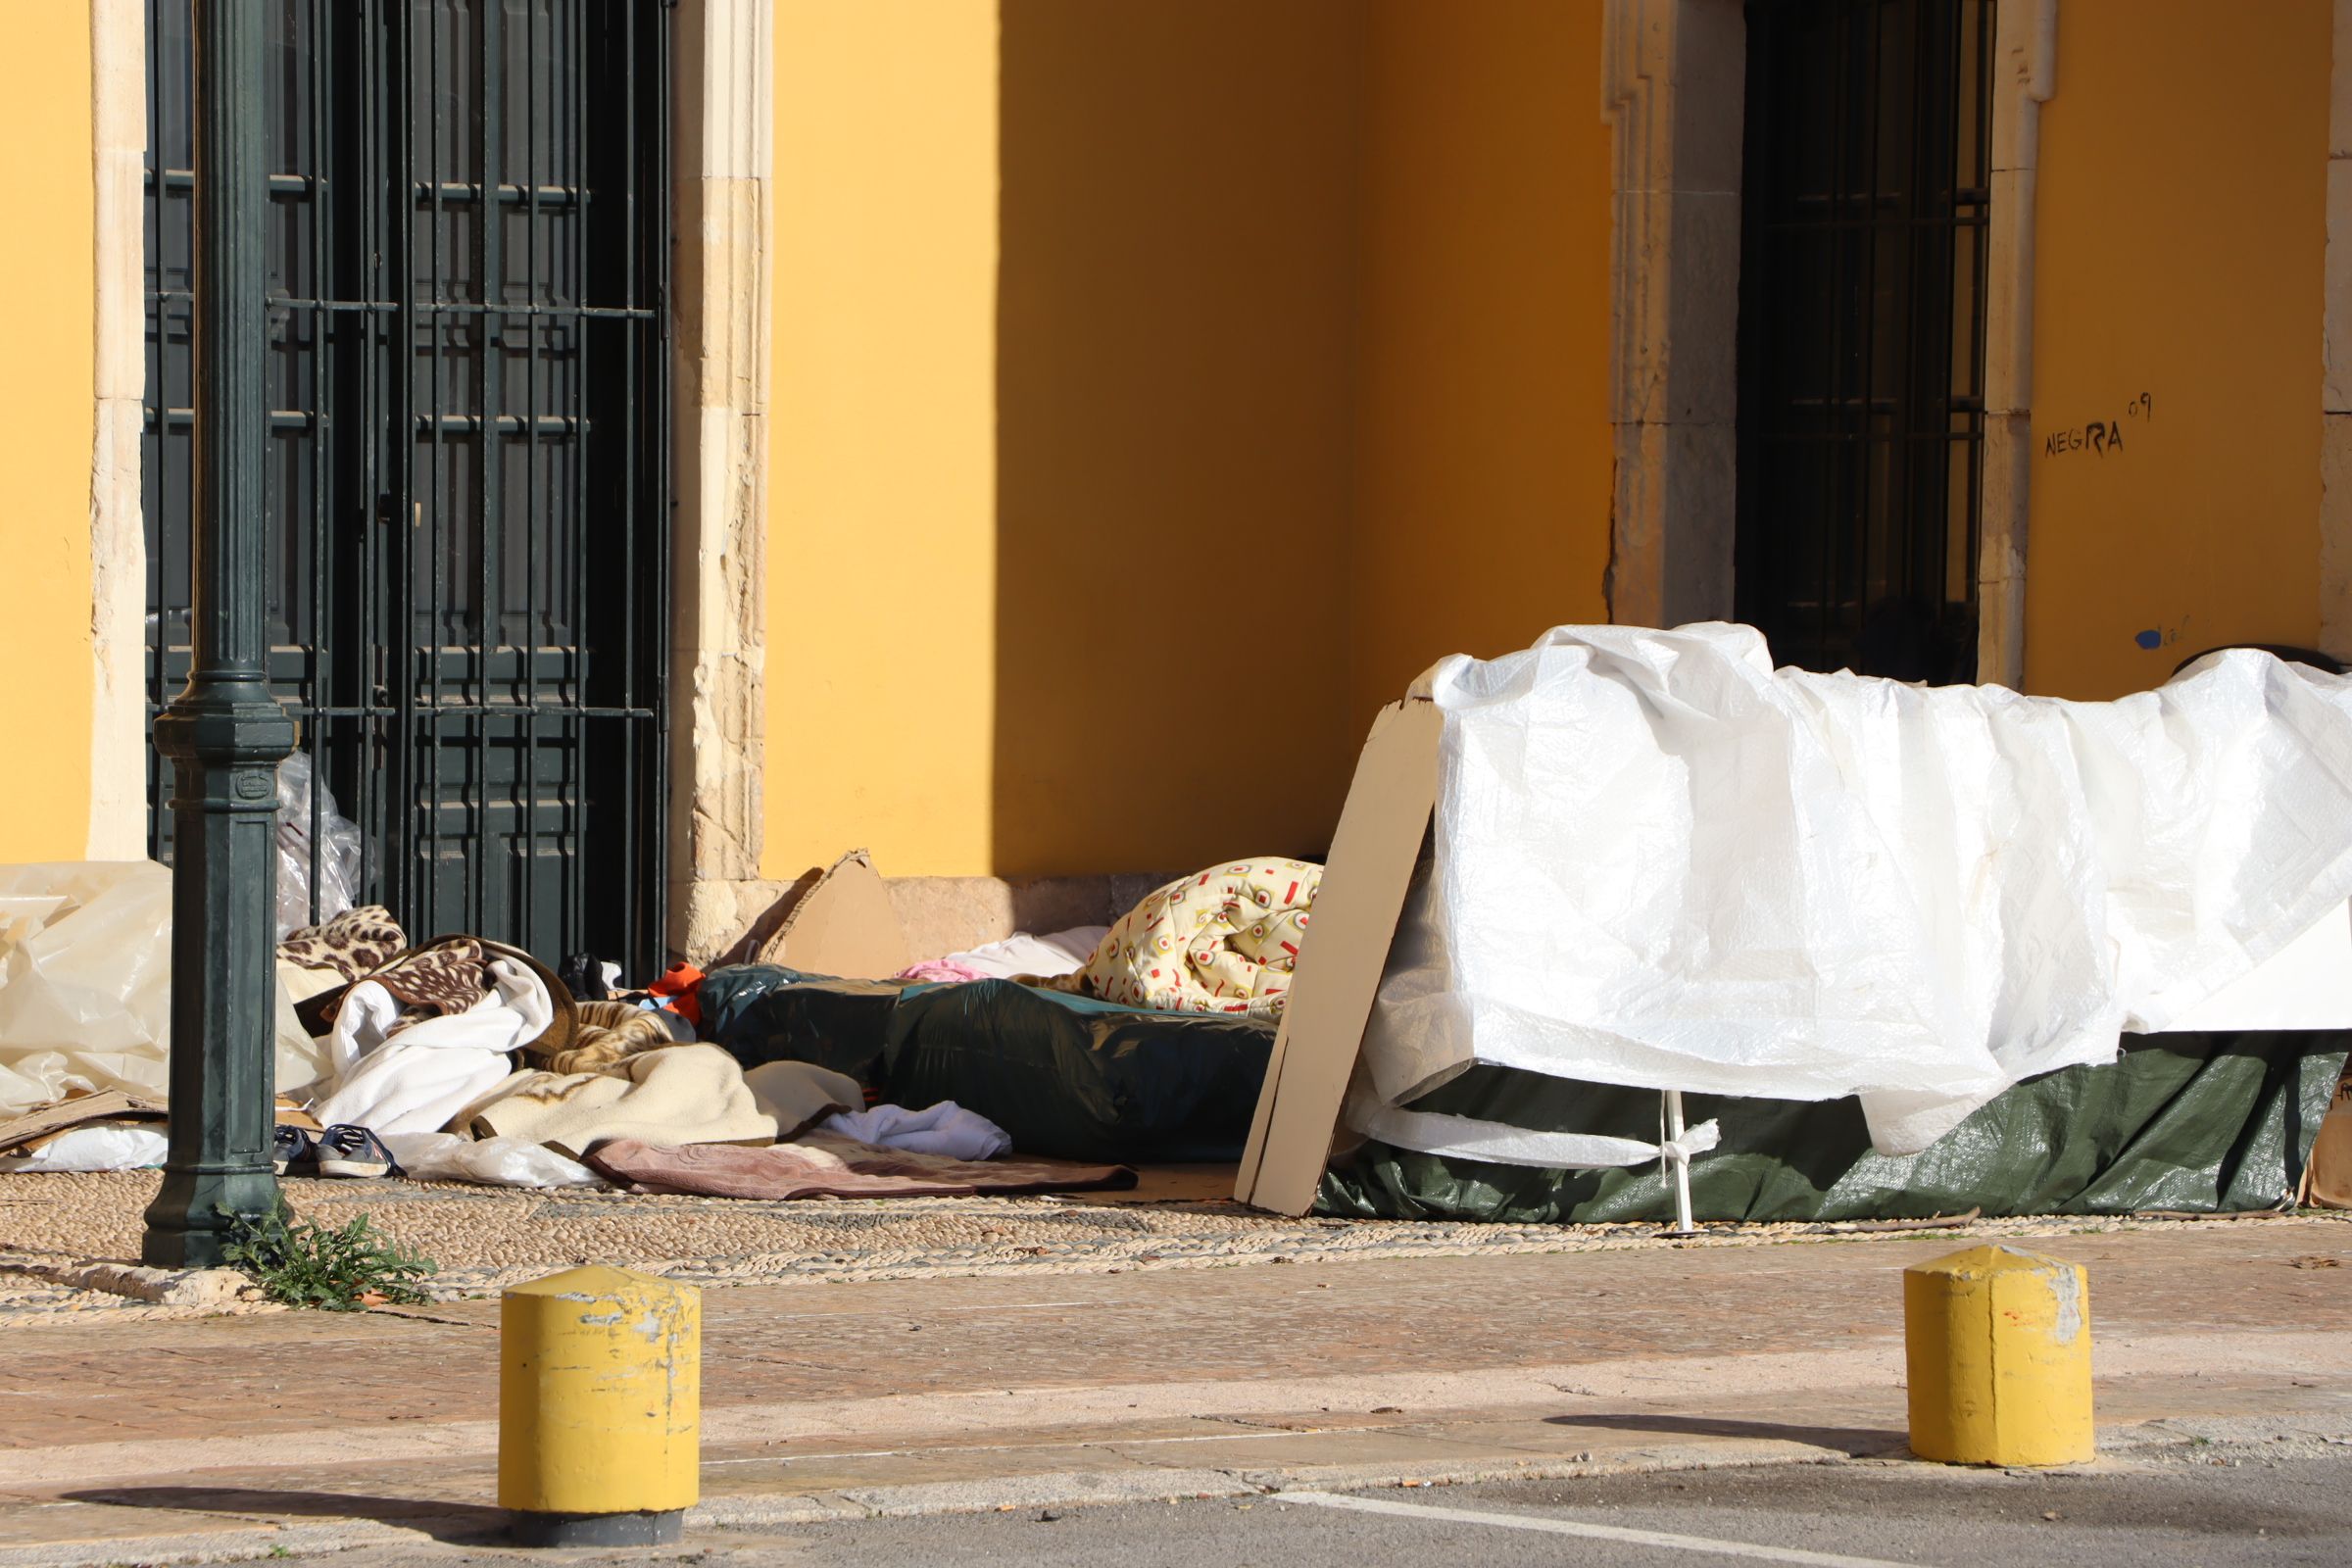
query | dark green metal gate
(1866,186)
(469,490)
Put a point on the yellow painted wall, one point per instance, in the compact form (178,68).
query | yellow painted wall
(47,399)
(1059,446)
(2181,225)
(1481,441)
(881,656)
(1172,412)
(1159,386)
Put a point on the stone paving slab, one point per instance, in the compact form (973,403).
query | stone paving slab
(162,1440)
(232,1377)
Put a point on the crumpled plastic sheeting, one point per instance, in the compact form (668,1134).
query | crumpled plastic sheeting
(100,1146)
(335,854)
(490,1162)
(86,985)
(1660,864)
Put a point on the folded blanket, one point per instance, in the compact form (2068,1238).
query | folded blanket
(674,1096)
(944,1129)
(354,944)
(943,972)
(607,1032)
(391,1076)
(800,1094)
(1057,953)
(822,1165)
(1224,941)
(447,976)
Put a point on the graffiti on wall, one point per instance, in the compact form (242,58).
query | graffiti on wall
(2101,438)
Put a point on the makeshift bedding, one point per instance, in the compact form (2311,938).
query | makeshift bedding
(676,1095)
(823,1165)
(413,1078)
(1223,941)
(1018,956)
(1063,1076)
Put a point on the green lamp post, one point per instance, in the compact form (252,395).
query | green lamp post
(225,733)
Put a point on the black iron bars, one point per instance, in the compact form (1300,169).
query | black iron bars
(225,733)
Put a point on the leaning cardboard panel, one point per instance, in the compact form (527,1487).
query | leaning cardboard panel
(843,926)
(1339,965)
(2328,1178)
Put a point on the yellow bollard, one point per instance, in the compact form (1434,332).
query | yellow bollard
(1999,1348)
(599,1407)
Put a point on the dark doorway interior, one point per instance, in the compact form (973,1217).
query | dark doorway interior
(467,589)
(1866,186)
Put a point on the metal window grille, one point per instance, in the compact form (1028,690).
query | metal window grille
(467,585)
(1862,332)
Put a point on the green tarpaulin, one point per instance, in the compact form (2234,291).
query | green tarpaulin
(1066,1077)
(2192,1122)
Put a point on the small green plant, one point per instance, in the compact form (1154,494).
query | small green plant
(335,1268)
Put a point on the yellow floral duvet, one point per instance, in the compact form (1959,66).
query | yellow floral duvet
(1223,941)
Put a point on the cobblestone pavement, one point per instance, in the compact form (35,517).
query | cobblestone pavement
(486,1238)
(136,1440)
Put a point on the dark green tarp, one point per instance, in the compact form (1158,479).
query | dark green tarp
(764,1012)
(2192,1122)
(1067,1077)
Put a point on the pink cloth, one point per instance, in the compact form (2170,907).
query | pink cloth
(942,972)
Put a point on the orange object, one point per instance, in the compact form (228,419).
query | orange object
(682,981)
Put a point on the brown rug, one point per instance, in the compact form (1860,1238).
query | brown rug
(826,1165)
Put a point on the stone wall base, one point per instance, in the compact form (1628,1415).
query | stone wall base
(939,914)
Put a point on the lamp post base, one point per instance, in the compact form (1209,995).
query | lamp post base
(190,1218)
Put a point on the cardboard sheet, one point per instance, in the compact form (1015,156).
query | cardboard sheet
(843,926)
(1339,965)
(37,1127)
(2327,1179)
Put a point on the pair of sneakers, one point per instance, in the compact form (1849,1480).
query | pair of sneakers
(340,1151)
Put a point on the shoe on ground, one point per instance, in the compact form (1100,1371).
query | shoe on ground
(295,1150)
(347,1150)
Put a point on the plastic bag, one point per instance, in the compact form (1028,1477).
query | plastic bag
(99,1145)
(86,985)
(490,1162)
(337,851)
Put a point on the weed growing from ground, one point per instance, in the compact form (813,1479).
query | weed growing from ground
(334,1268)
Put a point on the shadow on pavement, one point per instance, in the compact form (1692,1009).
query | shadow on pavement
(464,1523)
(1860,1441)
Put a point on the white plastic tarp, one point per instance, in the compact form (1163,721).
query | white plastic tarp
(86,985)
(1660,863)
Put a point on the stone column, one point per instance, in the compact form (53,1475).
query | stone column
(2336,382)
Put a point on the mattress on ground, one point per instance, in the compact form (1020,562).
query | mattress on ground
(2205,1123)
(1067,1077)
